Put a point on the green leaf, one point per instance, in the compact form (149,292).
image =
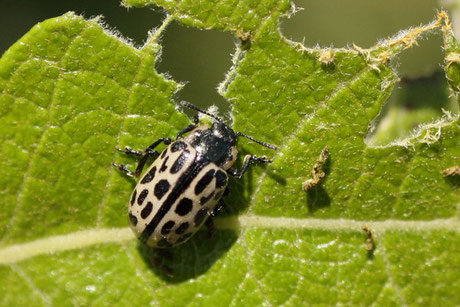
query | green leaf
(71,92)
(241,17)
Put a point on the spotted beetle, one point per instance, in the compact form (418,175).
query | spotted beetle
(185,183)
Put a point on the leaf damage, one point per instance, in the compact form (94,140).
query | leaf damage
(282,226)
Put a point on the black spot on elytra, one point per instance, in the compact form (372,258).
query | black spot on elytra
(184,206)
(204,181)
(149,176)
(179,163)
(147,210)
(184,237)
(178,146)
(182,228)
(167,227)
(161,188)
(200,215)
(164,243)
(163,166)
(163,154)
(142,196)
(181,185)
(205,199)
(221,179)
(133,197)
(132,219)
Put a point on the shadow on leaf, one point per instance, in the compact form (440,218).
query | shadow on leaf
(190,260)
(371,252)
(454,181)
(242,190)
(280,180)
(317,198)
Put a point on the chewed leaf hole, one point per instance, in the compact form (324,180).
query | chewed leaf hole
(199,66)
(415,101)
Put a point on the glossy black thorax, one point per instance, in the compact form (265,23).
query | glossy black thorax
(215,144)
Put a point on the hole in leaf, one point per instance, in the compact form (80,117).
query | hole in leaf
(419,98)
(17,17)
(415,101)
(361,22)
(341,23)
(196,57)
(423,91)
(200,59)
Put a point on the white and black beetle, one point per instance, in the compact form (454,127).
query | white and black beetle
(185,184)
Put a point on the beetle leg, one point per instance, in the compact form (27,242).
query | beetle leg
(189,128)
(140,166)
(248,160)
(210,227)
(196,119)
(226,191)
(184,131)
(166,141)
(218,209)
(148,152)
(130,151)
(123,168)
(212,214)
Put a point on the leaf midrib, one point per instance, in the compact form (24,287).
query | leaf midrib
(80,239)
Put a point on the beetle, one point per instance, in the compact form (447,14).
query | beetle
(184,185)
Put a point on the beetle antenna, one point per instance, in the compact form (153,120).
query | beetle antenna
(257,141)
(193,107)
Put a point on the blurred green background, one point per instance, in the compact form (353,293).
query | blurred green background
(200,58)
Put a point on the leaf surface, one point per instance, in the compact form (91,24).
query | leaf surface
(71,92)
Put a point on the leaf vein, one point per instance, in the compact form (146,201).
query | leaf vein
(341,86)
(20,192)
(29,281)
(250,271)
(391,281)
